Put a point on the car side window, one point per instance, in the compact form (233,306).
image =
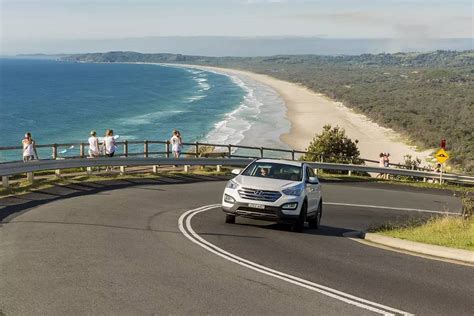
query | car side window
(308,173)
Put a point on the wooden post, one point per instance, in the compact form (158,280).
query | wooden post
(261,152)
(145,149)
(292,155)
(81,150)
(441,174)
(5,182)
(196,149)
(30,177)
(55,151)
(229,147)
(125,148)
(167,148)
(122,170)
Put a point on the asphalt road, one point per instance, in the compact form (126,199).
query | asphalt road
(116,248)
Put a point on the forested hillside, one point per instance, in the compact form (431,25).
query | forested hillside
(425,96)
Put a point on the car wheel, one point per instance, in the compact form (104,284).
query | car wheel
(298,226)
(230,219)
(316,220)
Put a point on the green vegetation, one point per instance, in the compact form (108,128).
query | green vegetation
(334,145)
(23,186)
(424,96)
(447,231)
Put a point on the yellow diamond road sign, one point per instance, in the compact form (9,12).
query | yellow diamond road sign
(442,156)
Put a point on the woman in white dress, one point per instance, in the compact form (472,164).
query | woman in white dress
(176,144)
(29,148)
(109,143)
(93,145)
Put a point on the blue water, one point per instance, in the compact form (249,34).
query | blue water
(61,102)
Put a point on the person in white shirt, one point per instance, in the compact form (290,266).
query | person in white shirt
(29,148)
(93,145)
(176,144)
(109,143)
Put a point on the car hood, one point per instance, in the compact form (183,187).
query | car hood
(263,183)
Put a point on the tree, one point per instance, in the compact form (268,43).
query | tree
(334,146)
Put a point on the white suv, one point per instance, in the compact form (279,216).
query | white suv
(275,190)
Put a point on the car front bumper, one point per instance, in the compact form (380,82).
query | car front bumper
(272,211)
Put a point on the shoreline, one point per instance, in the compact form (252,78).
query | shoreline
(309,111)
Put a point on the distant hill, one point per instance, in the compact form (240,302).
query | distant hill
(425,96)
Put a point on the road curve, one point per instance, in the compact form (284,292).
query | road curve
(116,247)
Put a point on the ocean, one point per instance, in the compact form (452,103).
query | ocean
(61,102)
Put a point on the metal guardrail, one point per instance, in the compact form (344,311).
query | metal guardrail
(14,168)
(227,150)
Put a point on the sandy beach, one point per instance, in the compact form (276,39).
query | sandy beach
(308,112)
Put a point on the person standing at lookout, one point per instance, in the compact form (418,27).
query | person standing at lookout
(176,143)
(109,143)
(29,148)
(93,145)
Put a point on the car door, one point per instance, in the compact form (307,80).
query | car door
(312,191)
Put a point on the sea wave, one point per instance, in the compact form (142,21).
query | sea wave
(259,120)
(150,118)
(232,128)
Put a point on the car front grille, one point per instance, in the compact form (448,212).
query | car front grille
(259,195)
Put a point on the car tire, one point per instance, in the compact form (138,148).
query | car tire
(315,222)
(298,226)
(230,219)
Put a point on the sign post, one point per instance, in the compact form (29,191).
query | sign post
(441,156)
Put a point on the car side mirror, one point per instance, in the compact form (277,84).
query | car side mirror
(313,180)
(236,171)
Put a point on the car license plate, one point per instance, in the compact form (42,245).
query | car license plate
(259,206)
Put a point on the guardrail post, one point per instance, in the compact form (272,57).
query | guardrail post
(293,154)
(145,149)
(5,182)
(55,151)
(229,147)
(187,168)
(30,177)
(196,148)
(81,150)
(122,170)
(125,148)
(261,152)
(218,168)
(167,149)
(321,158)
(155,169)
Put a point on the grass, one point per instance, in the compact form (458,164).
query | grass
(408,182)
(24,187)
(447,231)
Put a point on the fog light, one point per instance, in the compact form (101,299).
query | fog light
(229,199)
(290,206)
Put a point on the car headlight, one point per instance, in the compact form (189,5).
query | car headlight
(229,199)
(290,206)
(294,190)
(231,184)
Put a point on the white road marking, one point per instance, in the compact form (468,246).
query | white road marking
(184,224)
(390,208)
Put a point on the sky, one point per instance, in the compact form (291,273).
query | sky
(24,21)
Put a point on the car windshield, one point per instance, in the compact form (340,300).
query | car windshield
(274,171)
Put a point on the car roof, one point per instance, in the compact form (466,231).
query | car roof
(281,161)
